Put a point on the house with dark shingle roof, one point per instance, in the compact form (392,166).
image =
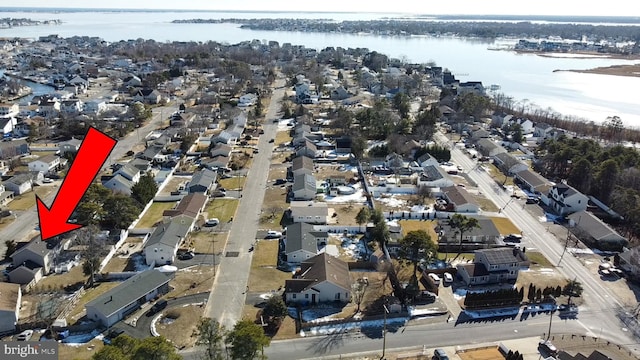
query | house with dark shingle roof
(302,242)
(595,232)
(491,266)
(485,233)
(302,165)
(434,176)
(162,245)
(508,163)
(190,205)
(202,181)
(565,200)
(490,148)
(304,187)
(115,304)
(322,278)
(533,182)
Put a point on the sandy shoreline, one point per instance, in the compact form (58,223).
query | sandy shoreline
(617,70)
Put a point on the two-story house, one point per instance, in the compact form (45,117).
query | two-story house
(302,242)
(565,200)
(162,245)
(10,304)
(304,187)
(491,266)
(45,164)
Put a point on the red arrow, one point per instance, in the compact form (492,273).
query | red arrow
(93,152)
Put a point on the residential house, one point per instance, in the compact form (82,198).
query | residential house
(301,165)
(190,205)
(491,266)
(224,137)
(485,234)
(33,260)
(5,196)
(79,81)
(45,164)
(427,160)
(340,93)
(149,96)
(508,163)
(132,81)
(9,110)
(216,162)
(489,148)
(162,245)
(94,107)
(119,184)
(49,108)
(343,145)
(434,176)
(322,278)
(630,262)
(470,87)
(71,107)
(542,130)
(70,146)
(19,184)
(220,149)
(595,232)
(10,149)
(303,91)
(565,200)
(141,164)
(304,187)
(460,199)
(247,100)
(10,302)
(532,182)
(308,149)
(7,125)
(202,181)
(151,152)
(122,300)
(310,212)
(480,134)
(302,242)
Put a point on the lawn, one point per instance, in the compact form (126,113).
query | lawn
(426,225)
(58,281)
(486,204)
(193,280)
(346,213)
(287,329)
(282,137)
(378,287)
(235,182)
(28,200)
(264,275)
(505,226)
(221,208)
(205,242)
(488,353)
(537,258)
(116,264)
(274,197)
(84,352)
(499,177)
(153,215)
(180,330)
(97,290)
(173,184)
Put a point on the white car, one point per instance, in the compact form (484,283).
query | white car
(212,222)
(272,234)
(448,278)
(25,335)
(435,278)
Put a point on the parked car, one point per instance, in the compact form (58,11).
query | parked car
(280,182)
(532,200)
(440,354)
(186,256)
(513,238)
(272,234)
(547,347)
(25,335)
(255,151)
(218,193)
(436,279)
(212,222)
(271,140)
(47,180)
(157,307)
(114,333)
(448,278)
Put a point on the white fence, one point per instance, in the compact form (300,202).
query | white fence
(405,190)
(337,229)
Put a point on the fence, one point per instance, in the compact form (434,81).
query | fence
(337,229)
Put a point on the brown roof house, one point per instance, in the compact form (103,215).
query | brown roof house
(461,200)
(190,205)
(322,278)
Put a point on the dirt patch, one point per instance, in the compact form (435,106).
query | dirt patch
(173,185)
(204,242)
(325,171)
(275,197)
(378,287)
(346,214)
(626,292)
(177,325)
(193,280)
(490,353)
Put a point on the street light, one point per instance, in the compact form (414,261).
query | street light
(384,329)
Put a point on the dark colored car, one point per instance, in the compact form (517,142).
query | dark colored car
(440,354)
(186,256)
(271,140)
(280,182)
(157,307)
(547,347)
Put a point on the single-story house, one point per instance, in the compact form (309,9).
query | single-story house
(508,163)
(304,187)
(427,160)
(5,196)
(215,162)
(492,266)
(322,278)
(486,233)
(72,146)
(10,302)
(45,164)
(190,205)
(309,212)
(162,245)
(461,200)
(489,147)
(10,149)
(202,181)
(115,304)
(533,182)
(19,184)
(307,149)
(27,272)
(302,242)
(220,149)
(434,176)
(595,232)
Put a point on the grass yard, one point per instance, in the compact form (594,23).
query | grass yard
(346,213)
(193,280)
(282,137)
(287,329)
(486,204)
(84,352)
(505,226)
(97,290)
(538,259)
(205,242)
(488,353)
(58,281)
(499,177)
(153,215)
(325,171)
(426,225)
(116,264)
(173,185)
(28,200)
(235,182)
(180,330)
(378,287)
(277,172)
(275,197)
(221,208)
(264,274)
(280,157)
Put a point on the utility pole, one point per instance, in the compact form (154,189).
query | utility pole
(384,330)
(566,244)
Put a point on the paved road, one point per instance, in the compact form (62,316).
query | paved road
(228,292)
(21,228)
(601,304)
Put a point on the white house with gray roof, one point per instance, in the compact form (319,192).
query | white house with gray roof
(595,232)
(565,200)
(302,242)
(115,304)
(202,181)
(162,245)
(304,187)
(309,212)
(322,278)
(434,176)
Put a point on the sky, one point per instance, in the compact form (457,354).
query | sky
(472,7)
